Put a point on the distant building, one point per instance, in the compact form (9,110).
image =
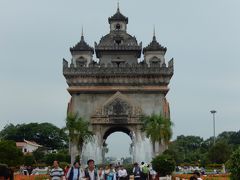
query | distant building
(27,146)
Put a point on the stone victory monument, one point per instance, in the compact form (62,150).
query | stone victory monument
(114,91)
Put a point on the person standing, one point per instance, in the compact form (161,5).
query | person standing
(122,173)
(75,172)
(66,169)
(90,172)
(101,173)
(56,173)
(144,172)
(152,172)
(110,173)
(136,171)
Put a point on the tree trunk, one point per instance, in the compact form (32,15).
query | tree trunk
(162,147)
(80,148)
(73,151)
(154,148)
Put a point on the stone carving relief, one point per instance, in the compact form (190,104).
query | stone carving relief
(117,109)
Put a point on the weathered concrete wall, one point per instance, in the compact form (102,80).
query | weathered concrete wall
(86,104)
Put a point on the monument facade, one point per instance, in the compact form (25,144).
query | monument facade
(113,91)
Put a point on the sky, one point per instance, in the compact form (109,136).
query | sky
(202,37)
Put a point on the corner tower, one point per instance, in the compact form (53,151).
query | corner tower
(82,53)
(154,53)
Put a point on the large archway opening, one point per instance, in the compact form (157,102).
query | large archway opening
(117,145)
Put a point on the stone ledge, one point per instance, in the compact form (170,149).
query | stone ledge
(107,89)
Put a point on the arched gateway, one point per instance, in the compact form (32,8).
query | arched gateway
(114,92)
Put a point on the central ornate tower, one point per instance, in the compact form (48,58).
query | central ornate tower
(113,92)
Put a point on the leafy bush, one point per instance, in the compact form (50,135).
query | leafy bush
(49,158)
(63,164)
(129,168)
(233,165)
(28,160)
(42,165)
(39,155)
(10,154)
(163,165)
(219,153)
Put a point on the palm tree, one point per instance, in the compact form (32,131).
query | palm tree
(78,133)
(159,129)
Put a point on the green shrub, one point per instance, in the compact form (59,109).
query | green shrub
(163,165)
(10,154)
(129,168)
(28,160)
(63,164)
(233,165)
(49,158)
(40,165)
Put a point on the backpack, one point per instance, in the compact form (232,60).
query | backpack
(136,171)
(145,170)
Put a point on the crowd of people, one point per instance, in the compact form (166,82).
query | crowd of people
(92,172)
(143,171)
(109,172)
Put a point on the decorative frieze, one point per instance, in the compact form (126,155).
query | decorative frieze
(101,74)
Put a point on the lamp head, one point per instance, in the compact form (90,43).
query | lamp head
(213,111)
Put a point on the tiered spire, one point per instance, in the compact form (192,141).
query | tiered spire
(118,16)
(82,31)
(154,37)
(82,45)
(118,9)
(154,45)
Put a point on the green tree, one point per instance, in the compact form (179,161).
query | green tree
(78,133)
(219,153)
(9,132)
(158,129)
(187,149)
(235,139)
(39,154)
(233,165)
(28,160)
(45,134)
(49,158)
(189,143)
(10,154)
(163,165)
(61,156)
(226,136)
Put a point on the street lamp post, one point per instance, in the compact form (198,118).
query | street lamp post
(213,113)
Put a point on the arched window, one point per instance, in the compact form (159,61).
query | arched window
(155,61)
(117,26)
(81,62)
